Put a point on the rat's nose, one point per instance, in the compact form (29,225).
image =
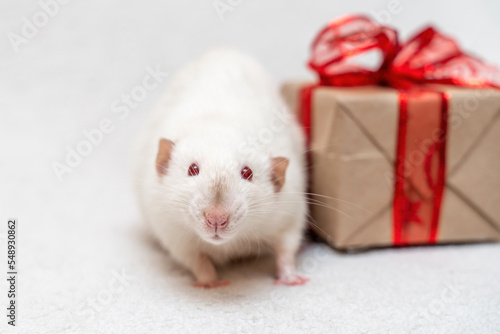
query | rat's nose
(216,217)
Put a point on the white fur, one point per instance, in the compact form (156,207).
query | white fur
(213,109)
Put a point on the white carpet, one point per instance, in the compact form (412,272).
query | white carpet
(77,236)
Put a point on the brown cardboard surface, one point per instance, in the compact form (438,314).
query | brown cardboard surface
(353,144)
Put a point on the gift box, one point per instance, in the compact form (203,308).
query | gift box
(405,154)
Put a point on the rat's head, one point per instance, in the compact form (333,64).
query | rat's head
(218,193)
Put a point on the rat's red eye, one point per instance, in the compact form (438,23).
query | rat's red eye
(247,173)
(193,170)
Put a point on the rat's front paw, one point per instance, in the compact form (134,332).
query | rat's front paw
(210,285)
(293,280)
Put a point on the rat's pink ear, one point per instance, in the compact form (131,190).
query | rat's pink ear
(164,152)
(278,171)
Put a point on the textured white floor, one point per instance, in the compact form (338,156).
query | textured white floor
(78,235)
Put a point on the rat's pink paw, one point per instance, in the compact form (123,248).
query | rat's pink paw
(211,285)
(290,281)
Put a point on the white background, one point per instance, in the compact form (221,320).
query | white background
(93,51)
(76,233)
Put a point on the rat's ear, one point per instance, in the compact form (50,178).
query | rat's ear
(165,147)
(278,171)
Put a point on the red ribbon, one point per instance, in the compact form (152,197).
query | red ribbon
(427,58)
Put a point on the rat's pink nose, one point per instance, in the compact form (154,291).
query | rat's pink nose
(216,217)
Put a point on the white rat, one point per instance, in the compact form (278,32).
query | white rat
(219,169)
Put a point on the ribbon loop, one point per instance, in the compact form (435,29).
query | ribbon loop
(428,57)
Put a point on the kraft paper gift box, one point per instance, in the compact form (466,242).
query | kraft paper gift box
(353,144)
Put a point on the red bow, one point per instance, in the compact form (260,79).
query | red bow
(428,57)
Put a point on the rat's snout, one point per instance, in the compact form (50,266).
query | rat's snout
(216,217)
